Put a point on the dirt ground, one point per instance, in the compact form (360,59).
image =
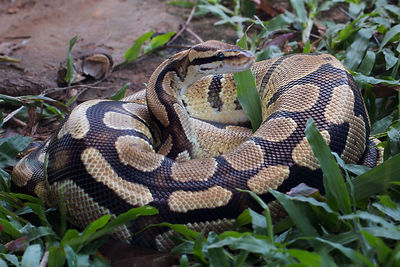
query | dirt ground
(37,32)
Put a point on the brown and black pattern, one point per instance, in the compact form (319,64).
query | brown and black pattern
(110,156)
(214,90)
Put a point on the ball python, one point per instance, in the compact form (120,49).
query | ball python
(183,146)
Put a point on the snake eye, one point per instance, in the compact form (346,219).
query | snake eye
(220,55)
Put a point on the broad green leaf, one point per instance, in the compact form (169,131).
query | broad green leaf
(98,261)
(198,248)
(217,256)
(394,213)
(247,93)
(39,210)
(56,257)
(386,201)
(243,219)
(184,246)
(92,247)
(381,125)
(83,260)
(364,215)
(270,51)
(377,179)
(355,53)
(277,23)
(385,232)
(133,52)
(363,79)
(72,257)
(259,223)
(11,99)
(246,242)
(383,228)
(356,8)
(354,168)
(120,93)
(382,251)
(269,226)
(28,198)
(184,4)
(7,228)
(5,181)
(10,147)
(393,144)
(345,33)
(307,47)
(327,260)
(181,229)
(308,258)
(390,58)
(241,258)
(300,9)
(389,35)
(356,257)
(158,41)
(72,236)
(32,256)
(10,258)
(184,262)
(367,64)
(3,263)
(38,232)
(334,184)
(111,226)
(96,225)
(312,201)
(296,212)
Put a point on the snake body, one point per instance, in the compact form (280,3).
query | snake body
(110,156)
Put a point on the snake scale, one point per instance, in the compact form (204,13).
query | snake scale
(183,145)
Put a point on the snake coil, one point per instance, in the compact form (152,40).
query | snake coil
(183,145)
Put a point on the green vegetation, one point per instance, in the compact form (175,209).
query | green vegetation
(356,223)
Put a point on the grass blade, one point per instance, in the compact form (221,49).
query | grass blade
(247,93)
(133,52)
(389,35)
(120,93)
(334,184)
(296,213)
(377,179)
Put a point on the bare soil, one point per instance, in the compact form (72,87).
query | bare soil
(37,32)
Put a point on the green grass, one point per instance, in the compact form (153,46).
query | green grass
(357,222)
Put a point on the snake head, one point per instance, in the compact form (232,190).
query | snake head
(215,57)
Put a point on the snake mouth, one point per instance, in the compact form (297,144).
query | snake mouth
(238,62)
(242,61)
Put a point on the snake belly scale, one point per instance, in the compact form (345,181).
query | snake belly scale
(181,146)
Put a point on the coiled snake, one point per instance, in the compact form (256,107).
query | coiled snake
(110,156)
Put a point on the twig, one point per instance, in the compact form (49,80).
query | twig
(184,26)
(18,37)
(194,35)
(347,13)
(12,114)
(18,123)
(57,89)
